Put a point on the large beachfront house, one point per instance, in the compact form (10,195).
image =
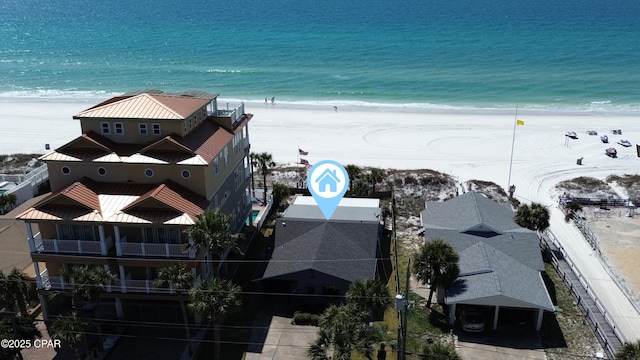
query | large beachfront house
(124,191)
(501,267)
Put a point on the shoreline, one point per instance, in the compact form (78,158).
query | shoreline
(596,108)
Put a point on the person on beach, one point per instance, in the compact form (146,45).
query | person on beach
(335,108)
(273,100)
(265,100)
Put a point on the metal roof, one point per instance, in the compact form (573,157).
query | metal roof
(342,213)
(86,200)
(146,106)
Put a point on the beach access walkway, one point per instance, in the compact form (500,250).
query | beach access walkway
(595,313)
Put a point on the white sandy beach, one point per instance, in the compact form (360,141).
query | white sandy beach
(465,145)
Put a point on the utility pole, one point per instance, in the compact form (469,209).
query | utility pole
(402,305)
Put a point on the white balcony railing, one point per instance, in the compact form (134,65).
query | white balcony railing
(151,250)
(139,286)
(47,282)
(57,246)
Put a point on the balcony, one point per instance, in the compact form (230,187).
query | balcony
(57,246)
(51,282)
(142,286)
(124,248)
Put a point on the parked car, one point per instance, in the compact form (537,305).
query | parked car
(472,320)
(624,143)
(604,138)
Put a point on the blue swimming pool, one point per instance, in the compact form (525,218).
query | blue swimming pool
(254,216)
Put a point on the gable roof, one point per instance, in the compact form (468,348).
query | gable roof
(488,276)
(146,106)
(469,212)
(89,201)
(345,250)
(500,262)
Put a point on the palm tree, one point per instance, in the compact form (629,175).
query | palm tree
(88,282)
(215,300)
(572,208)
(17,327)
(19,286)
(180,279)
(344,328)
(212,231)
(533,217)
(14,291)
(280,192)
(360,188)
(629,351)
(265,163)
(369,295)
(437,265)
(7,201)
(70,330)
(375,177)
(353,171)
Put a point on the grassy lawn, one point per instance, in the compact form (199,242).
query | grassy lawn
(422,323)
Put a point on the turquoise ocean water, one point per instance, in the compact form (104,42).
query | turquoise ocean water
(568,55)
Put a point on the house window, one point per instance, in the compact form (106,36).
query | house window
(186,174)
(148,172)
(330,290)
(118,128)
(161,235)
(156,129)
(216,166)
(65,170)
(225,153)
(76,232)
(102,171)
(106,128)
(143,129)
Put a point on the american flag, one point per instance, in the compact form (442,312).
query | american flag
(304,162)
(302,152)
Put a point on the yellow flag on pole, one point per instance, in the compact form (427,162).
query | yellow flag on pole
(519,122)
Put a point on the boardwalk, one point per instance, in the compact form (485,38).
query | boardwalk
(594,312)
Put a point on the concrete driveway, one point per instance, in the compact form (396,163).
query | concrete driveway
(508,343)
(274,338)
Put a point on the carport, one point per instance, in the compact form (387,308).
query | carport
(521,288)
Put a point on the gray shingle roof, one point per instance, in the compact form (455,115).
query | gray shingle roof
(346,250)
(500,262)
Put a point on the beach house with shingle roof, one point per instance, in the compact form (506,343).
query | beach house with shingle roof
(500,262)
(317,258)
(123,192)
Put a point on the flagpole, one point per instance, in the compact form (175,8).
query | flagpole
(513,142)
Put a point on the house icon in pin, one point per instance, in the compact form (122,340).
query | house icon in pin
(328,181)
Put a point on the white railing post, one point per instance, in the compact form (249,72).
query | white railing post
(79,246)
(55,245)
(143,249)
(123,279)
(167,250)
(103,245)
(36,267)
(32,243)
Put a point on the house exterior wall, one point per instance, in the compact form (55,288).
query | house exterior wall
(231,178)
(128,131)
